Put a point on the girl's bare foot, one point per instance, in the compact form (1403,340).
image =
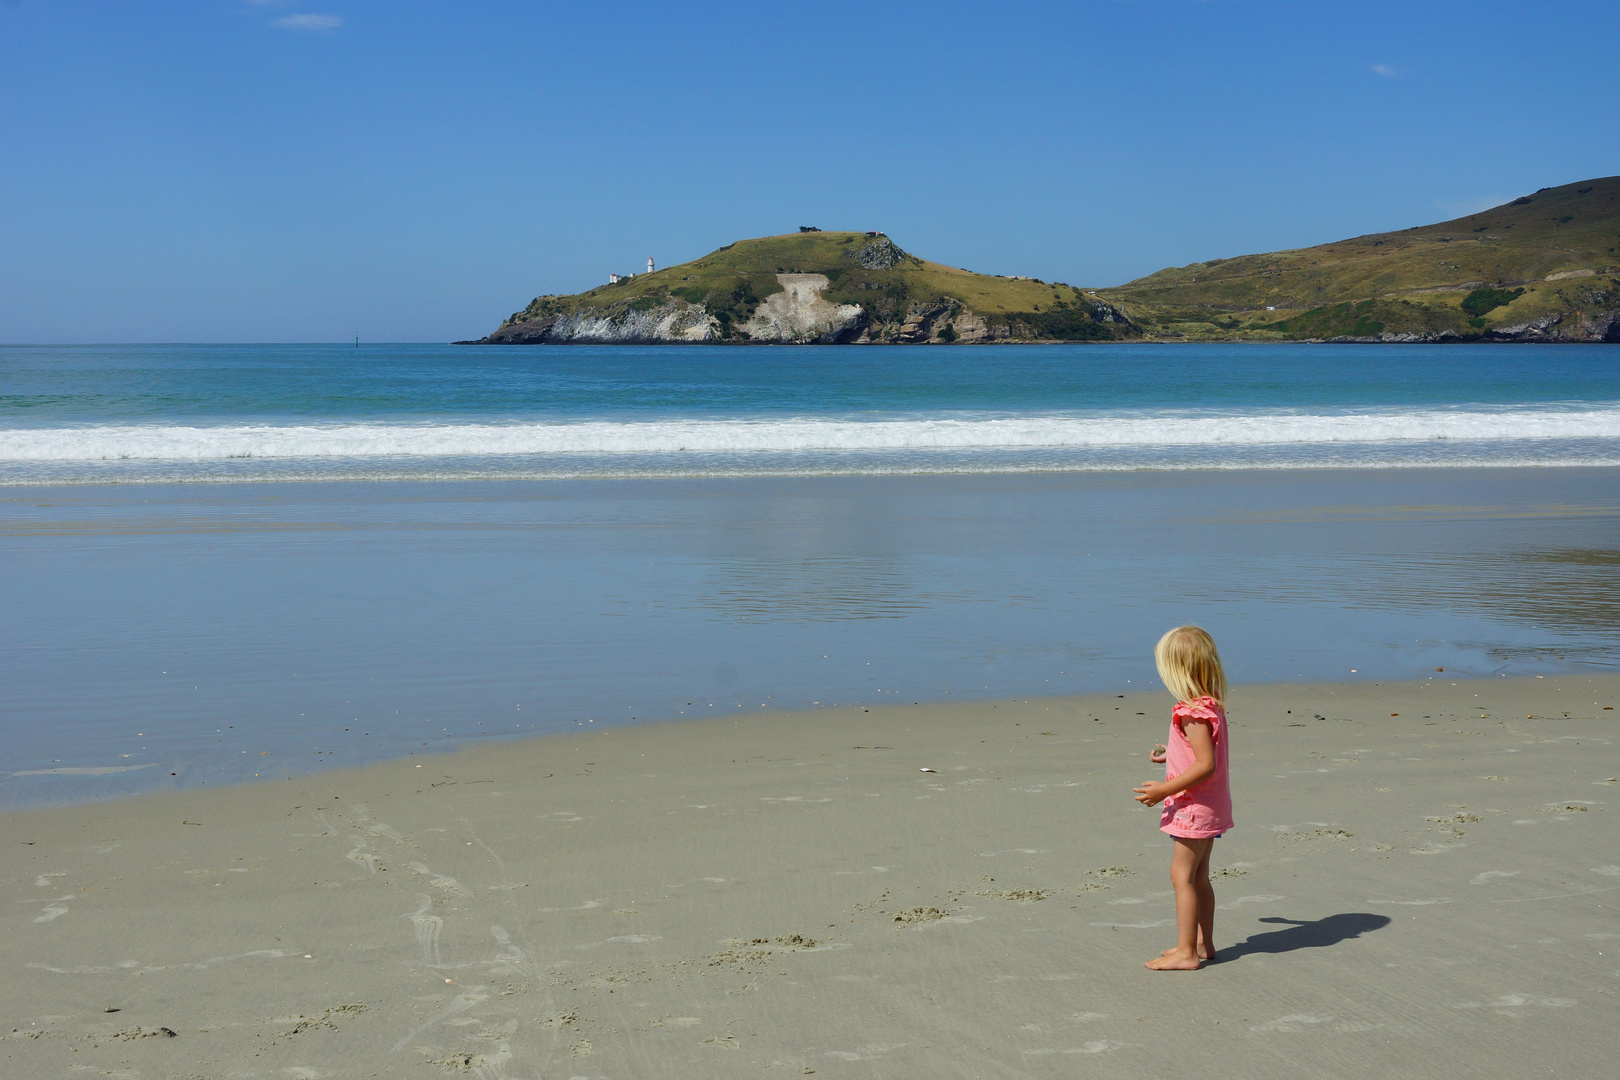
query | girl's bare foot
(1203,952)
(1175,960)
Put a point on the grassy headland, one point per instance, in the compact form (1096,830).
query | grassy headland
(901,298)
(1542,267)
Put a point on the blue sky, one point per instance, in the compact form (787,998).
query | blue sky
(232,170)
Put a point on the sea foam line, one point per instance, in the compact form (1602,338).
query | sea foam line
(392,439)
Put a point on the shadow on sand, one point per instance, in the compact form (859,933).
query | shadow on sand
(1305,935)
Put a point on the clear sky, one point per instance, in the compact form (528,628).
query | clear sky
(300,170)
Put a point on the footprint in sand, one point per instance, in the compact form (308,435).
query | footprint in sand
(428,928)
(1567,808)
(1416,903)
(509,955)
(1508,1002)
(627,939)
(1294,1022)
(1240,901)
(361,857)
(77,970)
(586,906)
(458,1005)
(377,828)
(441,881)
(949,920)
(1097,1046)
(1020,896)
(919,915)
(1145,924)
(865,1053)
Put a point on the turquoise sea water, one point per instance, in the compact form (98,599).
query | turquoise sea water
(423,545)
(142,413)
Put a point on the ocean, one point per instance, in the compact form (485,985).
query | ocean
(237,563)
(253,413)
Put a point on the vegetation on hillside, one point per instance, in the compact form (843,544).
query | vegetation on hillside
(903,296)
(1554,254)
(1542,267)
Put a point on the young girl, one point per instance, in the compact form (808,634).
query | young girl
(1197,800)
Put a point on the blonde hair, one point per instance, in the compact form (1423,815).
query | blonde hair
(1189,665)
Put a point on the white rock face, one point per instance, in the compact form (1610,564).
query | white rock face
(799,313)
(676,323)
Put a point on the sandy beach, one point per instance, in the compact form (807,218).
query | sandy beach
(1423,880)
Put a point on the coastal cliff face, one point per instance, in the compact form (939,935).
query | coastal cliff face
(816,289)
(1576,326)
(670,323)
(1555,328)
(800,315)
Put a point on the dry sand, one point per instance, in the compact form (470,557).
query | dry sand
(1433,893)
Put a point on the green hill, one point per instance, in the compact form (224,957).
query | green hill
(1542,267)
(817,287)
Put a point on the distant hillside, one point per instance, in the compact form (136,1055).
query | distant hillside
(816,288)
(1541,268)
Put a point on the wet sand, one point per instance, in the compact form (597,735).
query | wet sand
(1433,892)
(187,629)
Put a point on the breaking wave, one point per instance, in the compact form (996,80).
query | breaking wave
(1585,434)
(172,442)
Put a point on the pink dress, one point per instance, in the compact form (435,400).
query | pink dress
(1205,809)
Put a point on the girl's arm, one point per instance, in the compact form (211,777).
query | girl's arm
(1202,739)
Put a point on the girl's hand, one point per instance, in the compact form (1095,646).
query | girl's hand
(1199,735)
(1157,756)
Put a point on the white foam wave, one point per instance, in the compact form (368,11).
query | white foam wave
(392,439)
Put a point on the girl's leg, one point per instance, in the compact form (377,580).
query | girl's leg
(1184,862)
(1206,909)
(1206,906)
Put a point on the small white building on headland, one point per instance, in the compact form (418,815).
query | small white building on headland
(614,279)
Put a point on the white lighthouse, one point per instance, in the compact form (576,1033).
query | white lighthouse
(649,264)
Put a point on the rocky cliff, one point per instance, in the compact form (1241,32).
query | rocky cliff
(801,315)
